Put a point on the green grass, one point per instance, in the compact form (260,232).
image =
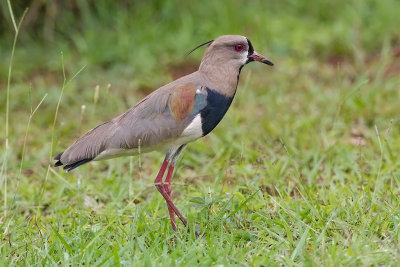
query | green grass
(303,170)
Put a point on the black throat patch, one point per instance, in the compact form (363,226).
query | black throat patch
(214,111)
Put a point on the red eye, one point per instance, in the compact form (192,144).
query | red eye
(239,47)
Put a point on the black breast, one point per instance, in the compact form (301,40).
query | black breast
(214,111)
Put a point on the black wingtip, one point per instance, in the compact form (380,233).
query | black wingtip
(69,167)
(72,166)
(58,164)
(58,158)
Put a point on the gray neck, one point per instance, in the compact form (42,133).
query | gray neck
(222,78)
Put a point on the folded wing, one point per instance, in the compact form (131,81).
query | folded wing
(153,123)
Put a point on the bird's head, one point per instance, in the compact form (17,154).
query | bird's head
(230,50)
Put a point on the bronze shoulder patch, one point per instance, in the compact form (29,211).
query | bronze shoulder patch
(181,102)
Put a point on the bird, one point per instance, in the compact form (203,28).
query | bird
(172,116)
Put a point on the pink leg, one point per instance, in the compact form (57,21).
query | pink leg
(167,188)
(161,172)
(160,187)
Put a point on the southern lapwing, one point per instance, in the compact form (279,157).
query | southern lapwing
(172,116)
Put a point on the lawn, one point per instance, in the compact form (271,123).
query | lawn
(303,170)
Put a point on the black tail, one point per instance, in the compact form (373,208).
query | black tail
(72,166)
(58,158)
